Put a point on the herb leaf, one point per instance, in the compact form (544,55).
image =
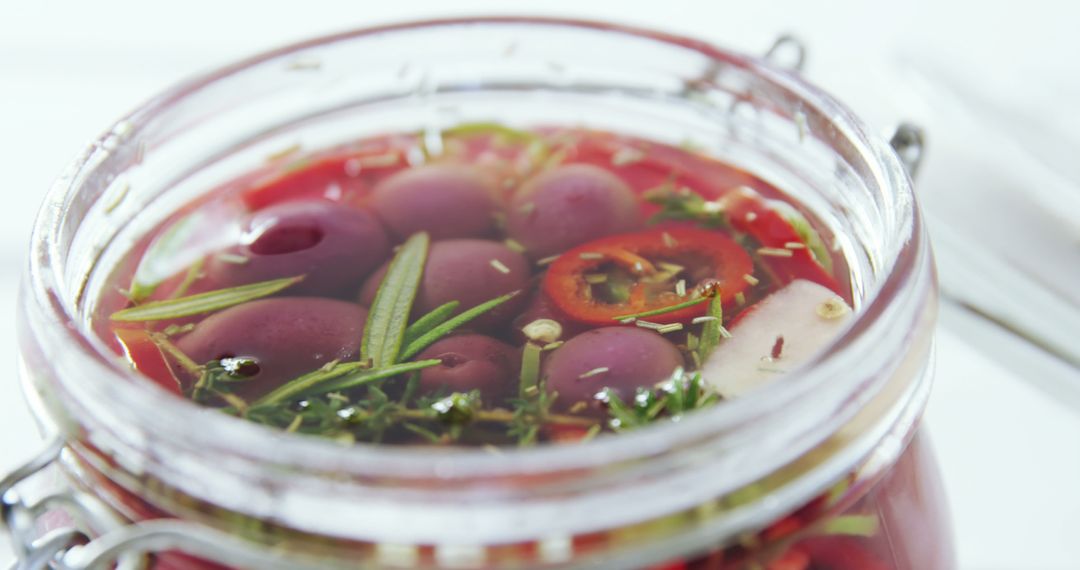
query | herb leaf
(852,525)
(339,377)
(623,416)
(809,236)
(507,134)
(663,310)
(683,204)
(530,369)
(203,302)
(674,397)
(366,376)
(428,338)
(710,330)
(167,248)
(424,324)
(389,315)
(533,400)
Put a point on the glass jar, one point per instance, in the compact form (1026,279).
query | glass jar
(824,469)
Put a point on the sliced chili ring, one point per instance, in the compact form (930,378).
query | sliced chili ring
(748,212)
(603,280)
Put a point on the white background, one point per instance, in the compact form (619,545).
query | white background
(1007,441)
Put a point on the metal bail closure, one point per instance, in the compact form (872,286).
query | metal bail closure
(909,142)
(89,517)
(18,518)
(98,539)
(787,51)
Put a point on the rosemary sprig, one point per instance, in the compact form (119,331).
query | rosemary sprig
(170,349)
(216,379)
(437,419)
(194,271)
(507,134)
(711,329)
(683,204)
(166,249)
(809,236)
(427,339)
(684,393)
(852,525)
(339,377)
(663,310)
(367,376)
(203,302)
(389,315)
(424,324)
(680,394)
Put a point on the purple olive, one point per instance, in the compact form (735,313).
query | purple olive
(336,246)
(620,358)
(283,337)
(568,206)
(471,362)
(447,201)
(470,271)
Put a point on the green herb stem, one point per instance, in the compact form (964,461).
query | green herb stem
(340,377)
(683,205)
(852,525)
(680,394)
(663,310)
(810,237)
(497,415)
(509,134)
(529,377)
(203,302)
(192,275)
(441,330)
(424,324)
(172,351)
(710,330)
(389,314)
(166,248)
(368,376)
(506,416)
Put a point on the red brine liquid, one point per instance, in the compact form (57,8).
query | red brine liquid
(509,288)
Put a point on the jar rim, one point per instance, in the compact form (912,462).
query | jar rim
(262,446)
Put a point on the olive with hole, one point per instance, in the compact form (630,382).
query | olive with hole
(471,362)
(335,246)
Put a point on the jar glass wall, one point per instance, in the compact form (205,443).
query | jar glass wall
(825,462)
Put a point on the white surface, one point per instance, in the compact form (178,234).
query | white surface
(1009,451)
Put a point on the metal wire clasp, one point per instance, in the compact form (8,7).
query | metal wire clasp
(19,518)
(98,539)
(909,142)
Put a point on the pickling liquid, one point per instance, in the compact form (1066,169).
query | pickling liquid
(510,288)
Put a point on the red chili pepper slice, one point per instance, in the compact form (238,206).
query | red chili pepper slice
(748,212)
(598,282)
(350,175)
